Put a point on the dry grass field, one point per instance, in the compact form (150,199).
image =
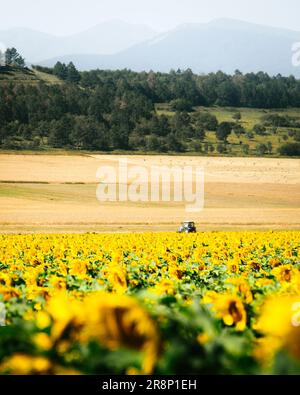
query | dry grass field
(57,193)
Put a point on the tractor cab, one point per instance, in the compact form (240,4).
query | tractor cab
(188,227)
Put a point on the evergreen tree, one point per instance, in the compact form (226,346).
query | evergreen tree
(223,131)
(60,70)
(73,75)
(13,58)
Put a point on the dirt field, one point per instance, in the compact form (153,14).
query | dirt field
(48,193)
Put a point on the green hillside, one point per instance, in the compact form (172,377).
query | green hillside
(274,137)
(26,76)
(179,112)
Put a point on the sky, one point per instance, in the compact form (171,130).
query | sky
(63,17)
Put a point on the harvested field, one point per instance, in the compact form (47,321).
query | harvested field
(49,193)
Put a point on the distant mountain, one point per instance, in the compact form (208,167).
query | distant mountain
(106,38)
(223,44)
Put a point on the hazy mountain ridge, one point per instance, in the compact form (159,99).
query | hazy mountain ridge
(106,38)
(223,44)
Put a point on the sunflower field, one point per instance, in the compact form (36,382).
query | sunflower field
(206,303)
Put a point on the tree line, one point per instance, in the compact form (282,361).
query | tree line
(183,89)
(116,110)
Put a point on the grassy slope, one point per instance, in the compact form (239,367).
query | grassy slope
(26,76)
(250,117)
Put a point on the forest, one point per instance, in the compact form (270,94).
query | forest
(148,111)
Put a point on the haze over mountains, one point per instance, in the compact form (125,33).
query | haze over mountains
(105,38)
(222,44)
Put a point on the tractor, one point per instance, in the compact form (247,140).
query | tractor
(188,227)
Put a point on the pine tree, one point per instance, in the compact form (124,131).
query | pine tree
(13,58)
(72,73)
(60,70)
